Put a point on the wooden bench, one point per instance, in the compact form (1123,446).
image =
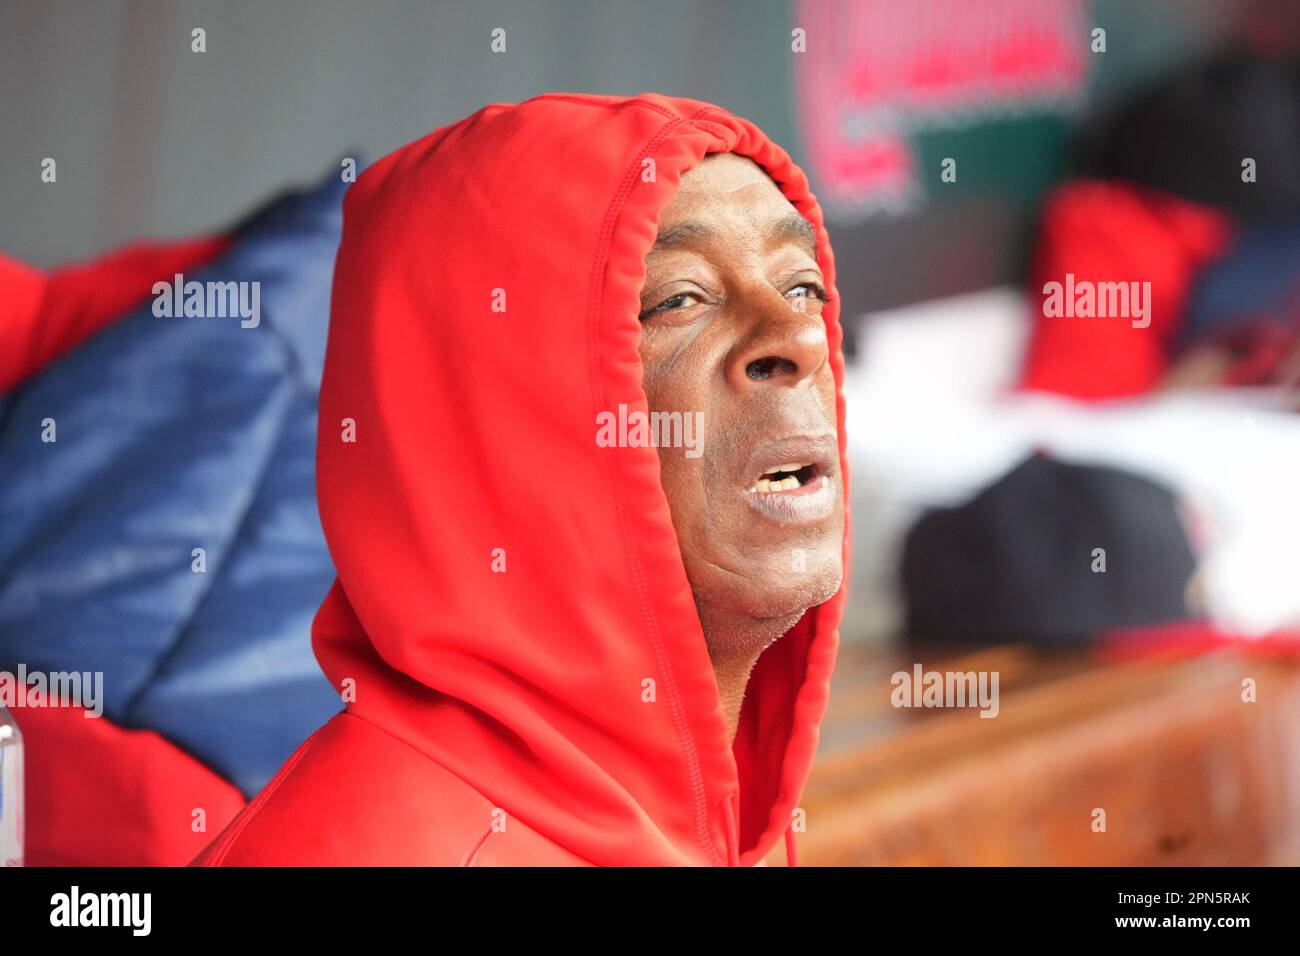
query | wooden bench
(1186,771)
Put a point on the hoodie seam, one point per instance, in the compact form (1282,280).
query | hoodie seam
(617,105)
(222,850)
(470,856)
(596,297)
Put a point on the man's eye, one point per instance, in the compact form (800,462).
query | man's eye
(679,301)
(808,290)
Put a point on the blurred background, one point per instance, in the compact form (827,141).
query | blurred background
(1101,512)
(158,141)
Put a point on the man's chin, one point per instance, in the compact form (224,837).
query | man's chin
(784,593)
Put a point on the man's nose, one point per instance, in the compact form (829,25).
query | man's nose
(783,344)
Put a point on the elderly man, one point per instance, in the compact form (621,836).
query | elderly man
(555,649)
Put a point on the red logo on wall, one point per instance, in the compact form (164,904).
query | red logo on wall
(877,71)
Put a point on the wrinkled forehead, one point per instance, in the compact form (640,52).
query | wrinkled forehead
(732,197)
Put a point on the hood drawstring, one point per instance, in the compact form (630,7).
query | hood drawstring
(732,828)
(733,838)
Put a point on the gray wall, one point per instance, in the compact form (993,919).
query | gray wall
(151,138)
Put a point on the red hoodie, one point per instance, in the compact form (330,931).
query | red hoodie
(507,590)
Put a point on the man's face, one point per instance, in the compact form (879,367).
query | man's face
(732,327)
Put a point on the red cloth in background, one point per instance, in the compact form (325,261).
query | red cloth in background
(98,794)
(101,795)
(1190,638)
(1115,232)
(43,315)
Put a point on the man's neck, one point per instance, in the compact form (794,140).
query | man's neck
(735,643)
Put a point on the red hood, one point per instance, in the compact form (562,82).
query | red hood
(475,431)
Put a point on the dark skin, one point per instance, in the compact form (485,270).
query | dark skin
(732,327)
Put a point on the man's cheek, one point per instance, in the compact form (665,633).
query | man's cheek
(827,393)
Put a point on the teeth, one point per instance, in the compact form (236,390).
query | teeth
(789,467)
(766,485)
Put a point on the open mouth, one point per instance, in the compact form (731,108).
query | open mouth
(792,479)
(787,477)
